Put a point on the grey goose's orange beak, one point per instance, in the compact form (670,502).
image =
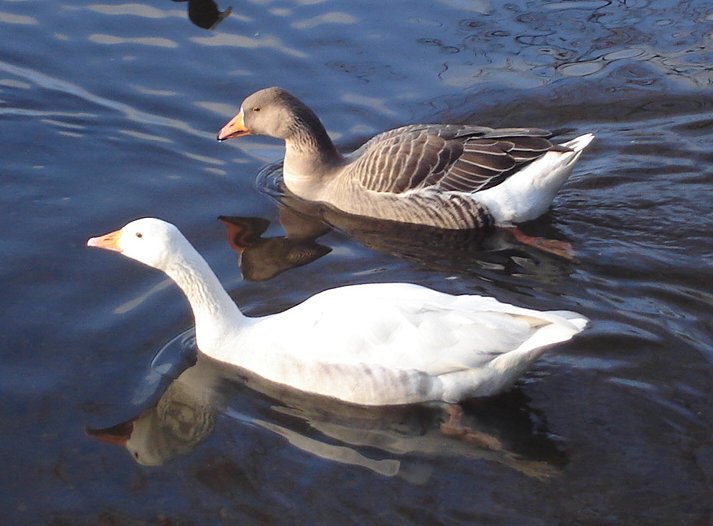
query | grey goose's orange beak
(235,128)
(108,241)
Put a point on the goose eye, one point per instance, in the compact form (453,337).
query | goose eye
(139,235)
(256,109)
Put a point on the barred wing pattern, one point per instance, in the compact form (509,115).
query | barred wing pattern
(457,158)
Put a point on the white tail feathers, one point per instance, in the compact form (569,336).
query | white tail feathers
(506,368)
(576,319)
(580,143)
(528,193)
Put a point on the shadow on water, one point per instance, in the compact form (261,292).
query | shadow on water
(392,441)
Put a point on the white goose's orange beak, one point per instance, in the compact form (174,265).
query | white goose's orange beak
(108,241)
(235,128)
(118,434)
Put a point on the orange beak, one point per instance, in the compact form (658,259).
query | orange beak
(118,434)
(235,128)
(108,241)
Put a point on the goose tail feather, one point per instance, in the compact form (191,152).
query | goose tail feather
(528,193)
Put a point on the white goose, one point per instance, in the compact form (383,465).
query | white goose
(442,175)
(376,344)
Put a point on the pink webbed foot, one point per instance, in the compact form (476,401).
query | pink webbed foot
(551,246)
(453,427)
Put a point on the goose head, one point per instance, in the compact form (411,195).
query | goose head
(272,112)
(148,240)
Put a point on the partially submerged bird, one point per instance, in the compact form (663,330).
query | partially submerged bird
(443,175)
(374,344)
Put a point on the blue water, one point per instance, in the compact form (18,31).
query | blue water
(109,113)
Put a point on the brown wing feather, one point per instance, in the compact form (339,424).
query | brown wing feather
(449,157)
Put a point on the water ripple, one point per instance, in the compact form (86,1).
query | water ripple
(11,18)
(54,84)
(133,9)
(242,41)
(141,41)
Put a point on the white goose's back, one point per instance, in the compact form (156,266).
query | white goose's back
(395,343)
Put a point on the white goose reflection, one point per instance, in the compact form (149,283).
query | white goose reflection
(396,441)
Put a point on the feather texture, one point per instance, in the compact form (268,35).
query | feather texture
(430,174)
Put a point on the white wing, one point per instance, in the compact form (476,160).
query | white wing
(400,326)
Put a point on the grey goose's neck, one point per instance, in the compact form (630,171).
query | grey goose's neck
(311,158)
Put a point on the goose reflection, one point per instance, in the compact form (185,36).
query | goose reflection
(205,13)
(261,258)
(388,441)
(472,251)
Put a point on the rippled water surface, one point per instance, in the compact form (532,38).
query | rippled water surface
(109,112)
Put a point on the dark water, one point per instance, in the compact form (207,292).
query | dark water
(109,112)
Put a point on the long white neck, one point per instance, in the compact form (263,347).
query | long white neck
(216,315)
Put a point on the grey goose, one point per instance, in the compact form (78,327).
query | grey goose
(452,176)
